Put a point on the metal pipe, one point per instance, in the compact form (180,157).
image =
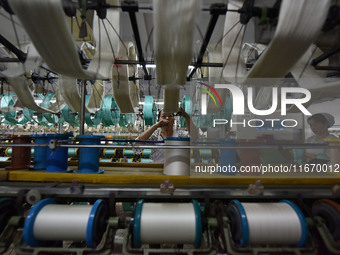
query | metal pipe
(60,128)
(327,68)
(149,62)
(216,10)
(204,147)
(325,55)
(9,60)
(132,7)
(20,54)
(123,194)
(82,108)
(280,147)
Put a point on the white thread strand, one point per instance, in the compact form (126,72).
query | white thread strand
(272,223)
(171,98)
(168,223)
(299,24)
(173,39)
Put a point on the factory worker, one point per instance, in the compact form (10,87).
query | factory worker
(165,128)
(319,123)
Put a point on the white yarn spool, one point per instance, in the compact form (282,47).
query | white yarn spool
(279,220)
(48,221)
(177,161)
(268,223)
(171,223)
(62,222)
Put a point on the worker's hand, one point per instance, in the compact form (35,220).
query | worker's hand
(162,123)
(182,112)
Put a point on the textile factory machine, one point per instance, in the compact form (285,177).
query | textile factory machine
(81,80)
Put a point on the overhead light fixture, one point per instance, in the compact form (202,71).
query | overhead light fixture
(190,67)
(147,66)
(160,103)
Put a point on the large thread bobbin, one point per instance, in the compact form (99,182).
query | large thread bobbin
(329,211)
(267,223)
(150,111)
(177,161)
(171,223)
(48,221)
(109,152)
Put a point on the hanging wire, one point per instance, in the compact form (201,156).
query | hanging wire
(113,52)
(202,38)
(226,61)
(120,39)
(149,39)
(104,103)
(303,70)
(307,63)
(95,90)
(220,40)
(199,31)
(17,39)
(252,50)
(99,49)
(13,22)
(239,52)
(55,93)
(110,89)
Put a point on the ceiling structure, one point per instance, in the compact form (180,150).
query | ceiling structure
(12,30)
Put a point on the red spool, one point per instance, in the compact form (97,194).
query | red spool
(21,156)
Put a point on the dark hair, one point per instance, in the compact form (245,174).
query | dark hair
(319,118)
(159,114)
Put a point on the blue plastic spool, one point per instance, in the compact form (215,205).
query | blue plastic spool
(29,222)
(57,159)
(303,223)
(236,209)
(171,138)
(136,239)
(227,156)
(242,225)
(94,230)
(89,157)
(40,153)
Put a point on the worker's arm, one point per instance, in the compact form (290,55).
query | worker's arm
(193,131)
(147,133)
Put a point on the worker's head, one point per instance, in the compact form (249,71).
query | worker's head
(166,116)
(320,122)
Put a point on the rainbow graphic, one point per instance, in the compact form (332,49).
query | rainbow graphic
(209,93)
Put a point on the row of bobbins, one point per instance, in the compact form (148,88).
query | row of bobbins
(251,224)
(55,160)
